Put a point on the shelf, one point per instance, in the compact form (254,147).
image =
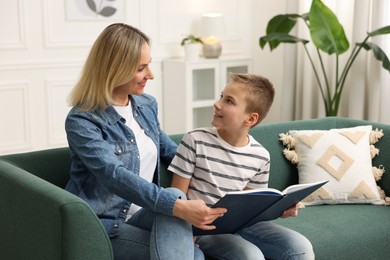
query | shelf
(203,84)
(203,103)
(190,89)
(202,117)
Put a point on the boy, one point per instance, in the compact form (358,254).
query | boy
(213,161)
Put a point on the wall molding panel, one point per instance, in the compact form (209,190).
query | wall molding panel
(57,92)
(15,128)
(13,34)
(40,65)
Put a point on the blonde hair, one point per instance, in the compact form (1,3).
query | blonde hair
(260,94)
(113,61)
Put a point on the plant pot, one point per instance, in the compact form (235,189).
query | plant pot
(191,51)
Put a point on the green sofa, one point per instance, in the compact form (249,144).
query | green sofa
(40,220)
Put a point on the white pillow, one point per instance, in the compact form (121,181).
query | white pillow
(341,156)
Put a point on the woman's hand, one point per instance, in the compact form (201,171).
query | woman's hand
(197,213)
(293,211)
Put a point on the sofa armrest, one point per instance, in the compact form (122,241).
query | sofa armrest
(39,220)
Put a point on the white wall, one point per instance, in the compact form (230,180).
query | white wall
(266,63)
(42,50)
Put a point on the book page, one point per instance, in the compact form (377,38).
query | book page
(258,191)
(297,187)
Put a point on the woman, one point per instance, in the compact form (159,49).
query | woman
(116,146)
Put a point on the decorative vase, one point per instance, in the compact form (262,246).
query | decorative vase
(212,51)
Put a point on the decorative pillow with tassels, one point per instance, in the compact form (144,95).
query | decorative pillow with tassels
(341,156)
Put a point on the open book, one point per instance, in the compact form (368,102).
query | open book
(245,208)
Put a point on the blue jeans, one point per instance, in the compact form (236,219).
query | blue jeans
(147,235)
(264,240)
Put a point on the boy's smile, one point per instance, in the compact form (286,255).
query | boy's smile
(217,115)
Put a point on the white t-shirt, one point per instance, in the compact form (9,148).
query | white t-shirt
(147,149)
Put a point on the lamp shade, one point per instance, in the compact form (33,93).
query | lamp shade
(212,24)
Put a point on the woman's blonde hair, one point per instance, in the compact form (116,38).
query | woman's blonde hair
(113,61)
(260,94)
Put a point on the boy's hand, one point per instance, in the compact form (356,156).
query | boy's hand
(197,213)
(293,211)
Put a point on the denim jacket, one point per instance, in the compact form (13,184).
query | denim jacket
(105,162)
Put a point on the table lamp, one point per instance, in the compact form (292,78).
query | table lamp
(212,28)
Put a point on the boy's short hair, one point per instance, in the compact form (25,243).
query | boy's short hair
(261,93)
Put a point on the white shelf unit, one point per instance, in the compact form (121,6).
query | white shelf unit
(190,89)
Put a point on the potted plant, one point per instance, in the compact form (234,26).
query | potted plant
(328,36)
(191,45)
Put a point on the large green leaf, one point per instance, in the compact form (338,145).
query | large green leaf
(378,53)
(325,30)
(280,38)
(282,23)
(279,24)
(380,31)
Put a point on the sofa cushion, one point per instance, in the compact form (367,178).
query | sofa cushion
(345,232)
(343,157)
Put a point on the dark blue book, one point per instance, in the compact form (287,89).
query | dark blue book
(245,208)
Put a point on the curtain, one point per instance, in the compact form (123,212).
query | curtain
(367,88)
